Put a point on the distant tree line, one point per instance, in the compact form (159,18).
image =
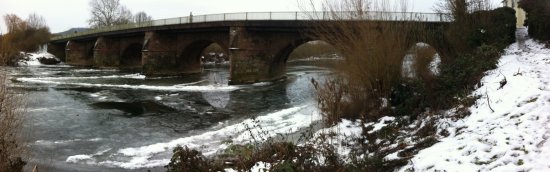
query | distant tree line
(112,12)
(22,36)
(538,18)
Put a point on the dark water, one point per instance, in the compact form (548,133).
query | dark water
(111,120)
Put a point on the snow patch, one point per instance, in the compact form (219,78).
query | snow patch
(32,59)
(129,76)
(78,158)
(434,65)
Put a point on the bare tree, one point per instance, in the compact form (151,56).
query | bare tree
(14,23)
(142,17)
(125,16)
(36,21)
(108,13)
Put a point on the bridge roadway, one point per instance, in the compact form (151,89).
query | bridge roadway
(258,44)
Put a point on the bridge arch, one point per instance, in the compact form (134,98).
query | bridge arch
(422,61)
(131,56)
(297,48)
(189,59)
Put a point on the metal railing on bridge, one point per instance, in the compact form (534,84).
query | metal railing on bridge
(272,16)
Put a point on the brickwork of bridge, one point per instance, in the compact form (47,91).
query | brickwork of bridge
(257,49)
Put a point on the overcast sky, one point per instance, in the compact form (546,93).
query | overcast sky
(62,15)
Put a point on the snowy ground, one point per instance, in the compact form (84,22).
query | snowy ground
(509,126)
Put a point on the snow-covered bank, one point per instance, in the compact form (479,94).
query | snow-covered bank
(509,125)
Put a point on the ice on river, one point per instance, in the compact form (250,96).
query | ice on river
(198,88)
(279,122)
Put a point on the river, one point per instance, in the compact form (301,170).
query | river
(82,119)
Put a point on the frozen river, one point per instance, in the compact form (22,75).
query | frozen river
(84,119)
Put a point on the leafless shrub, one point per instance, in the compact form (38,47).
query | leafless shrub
(373,53)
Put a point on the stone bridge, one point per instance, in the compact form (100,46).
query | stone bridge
(258,44)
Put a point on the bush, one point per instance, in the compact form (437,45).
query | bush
(462,76)
(185,159)
(498,28)
(538,18)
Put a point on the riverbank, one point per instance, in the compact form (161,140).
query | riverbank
(509,124)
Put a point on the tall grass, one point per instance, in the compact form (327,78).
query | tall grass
(373,53)
(12,143)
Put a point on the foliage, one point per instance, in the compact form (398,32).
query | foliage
(498,29)
(538,18)
(462,76)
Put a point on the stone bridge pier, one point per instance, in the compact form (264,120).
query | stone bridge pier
(259,55)
(122,52)
(79,53)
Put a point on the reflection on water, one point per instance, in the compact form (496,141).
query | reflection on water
(111,120)
(216,98)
